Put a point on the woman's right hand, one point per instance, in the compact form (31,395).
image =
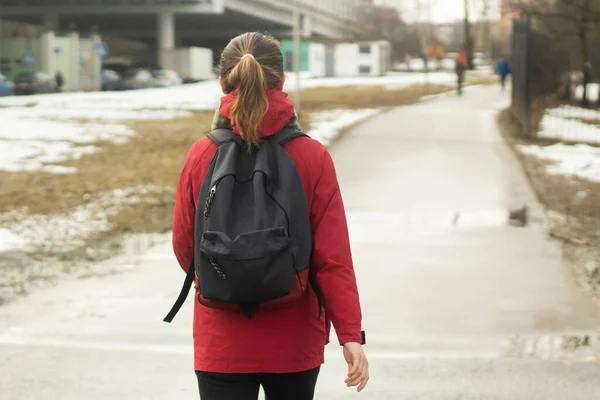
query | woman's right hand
(358,365)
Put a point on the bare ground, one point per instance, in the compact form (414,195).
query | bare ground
(573,206)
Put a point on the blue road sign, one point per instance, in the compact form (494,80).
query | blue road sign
(28,58)
(100,49)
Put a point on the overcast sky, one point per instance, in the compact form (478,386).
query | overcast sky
(440,10)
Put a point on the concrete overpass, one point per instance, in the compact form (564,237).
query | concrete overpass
(174,23)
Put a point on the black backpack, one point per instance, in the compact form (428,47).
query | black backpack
(253,239)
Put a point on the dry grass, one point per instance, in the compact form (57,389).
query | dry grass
(556,192)
(366,97)
(154,156)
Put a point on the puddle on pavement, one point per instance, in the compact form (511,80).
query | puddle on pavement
(567,348)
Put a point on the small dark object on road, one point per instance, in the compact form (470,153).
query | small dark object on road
(519,217)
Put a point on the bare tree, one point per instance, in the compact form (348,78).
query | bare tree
(578,19)
(485,16)
(469,43)
(385,23)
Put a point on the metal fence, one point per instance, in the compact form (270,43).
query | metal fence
(548,84)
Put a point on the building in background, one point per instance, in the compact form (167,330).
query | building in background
(64,35)
(33,49)
(340,59)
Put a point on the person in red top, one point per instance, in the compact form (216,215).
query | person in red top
(281,349)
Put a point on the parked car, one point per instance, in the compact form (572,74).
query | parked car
(7,88)
(34,83)
(136,79)
(110,79)
(166,78)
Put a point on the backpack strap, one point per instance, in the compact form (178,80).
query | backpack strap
(185,290)
(222,136)
(286,135)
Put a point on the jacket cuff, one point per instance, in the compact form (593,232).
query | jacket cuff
(352,337)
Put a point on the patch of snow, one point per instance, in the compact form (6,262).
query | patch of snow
(581,161)
(10,241)
(19,124)
(64,232)
(59,169)
(395,80)
(448,63)
(87,112)
(327,125)
(27,142)
(559,128)
(193,97)
(575,112)
(593,92)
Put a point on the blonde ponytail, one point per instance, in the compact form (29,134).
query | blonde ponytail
(251,102)
(250,65)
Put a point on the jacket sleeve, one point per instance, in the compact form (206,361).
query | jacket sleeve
(332,258)
(184,215)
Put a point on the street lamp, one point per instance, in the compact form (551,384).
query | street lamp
(297,16)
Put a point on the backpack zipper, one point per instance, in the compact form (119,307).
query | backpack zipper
(209,201)
(216,267)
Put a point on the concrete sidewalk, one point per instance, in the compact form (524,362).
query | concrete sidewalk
(446,284)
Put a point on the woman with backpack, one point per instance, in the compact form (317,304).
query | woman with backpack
(260,228)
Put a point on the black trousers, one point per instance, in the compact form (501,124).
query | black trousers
(295,386)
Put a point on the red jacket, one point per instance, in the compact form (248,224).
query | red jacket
(290,339)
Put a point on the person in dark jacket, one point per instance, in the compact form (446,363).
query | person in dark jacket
(461,67)
(503,70)
(281,350)
(59,80)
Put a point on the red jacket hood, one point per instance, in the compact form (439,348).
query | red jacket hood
(279,113)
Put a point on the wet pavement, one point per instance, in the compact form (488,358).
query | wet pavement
(458,303)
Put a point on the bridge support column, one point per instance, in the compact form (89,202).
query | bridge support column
(166,30)
(47,57)
(166,34)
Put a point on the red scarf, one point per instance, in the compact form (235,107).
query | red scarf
(279,113)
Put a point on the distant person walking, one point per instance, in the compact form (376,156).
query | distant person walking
(462,64)
(503,70)
(260,227)
(60,81)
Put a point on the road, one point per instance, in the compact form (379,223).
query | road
(457,304)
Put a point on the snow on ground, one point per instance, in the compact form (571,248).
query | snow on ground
(64,232)
(10,241)
(588,114)
(194,97)
(581,161)
(565,129)
(27,143)
(327,125)
(390,81)
(593,92)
